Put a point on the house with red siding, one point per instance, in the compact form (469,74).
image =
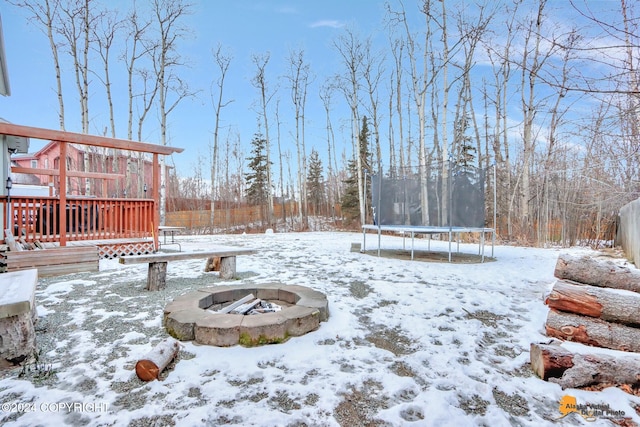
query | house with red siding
(131,172)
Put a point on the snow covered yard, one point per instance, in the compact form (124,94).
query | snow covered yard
(407,343)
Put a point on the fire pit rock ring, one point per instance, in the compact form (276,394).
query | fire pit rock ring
(192,316)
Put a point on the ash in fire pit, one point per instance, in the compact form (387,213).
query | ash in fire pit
(249,305)
(208,315)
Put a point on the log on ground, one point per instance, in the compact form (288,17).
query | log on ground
(612,305)
(212,264)
(149,367)
(554,363)
(549,360)
(591,331)
(597,272)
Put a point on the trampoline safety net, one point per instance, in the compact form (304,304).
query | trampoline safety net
(402,201)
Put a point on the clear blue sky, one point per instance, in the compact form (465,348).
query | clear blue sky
(243,27)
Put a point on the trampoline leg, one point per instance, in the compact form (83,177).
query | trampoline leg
(412,235)
(379,237)
(450,245)
(364,240)
(482,243)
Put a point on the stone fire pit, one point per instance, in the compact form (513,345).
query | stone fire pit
(191,316)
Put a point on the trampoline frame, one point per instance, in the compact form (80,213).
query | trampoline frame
(430,230)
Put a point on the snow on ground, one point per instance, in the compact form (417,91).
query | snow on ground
(407,343)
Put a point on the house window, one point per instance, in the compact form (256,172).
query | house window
(34,163)
(46,163)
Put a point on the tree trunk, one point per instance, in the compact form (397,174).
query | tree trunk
(591,271)
(228,267)
(157,276)
(571,370)
(149,367)
(17,338)
(592,331)
(606,304)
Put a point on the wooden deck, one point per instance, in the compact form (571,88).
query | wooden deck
(108,248)
(54,261)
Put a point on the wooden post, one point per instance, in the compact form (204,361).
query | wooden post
(149,367)
(62,165)
(227,267)
(157,276)
(155,192)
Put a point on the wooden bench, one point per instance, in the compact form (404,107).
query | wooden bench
(17,315)
(157,276)
(55,261)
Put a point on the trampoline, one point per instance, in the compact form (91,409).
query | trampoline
(412,230)
(411,206)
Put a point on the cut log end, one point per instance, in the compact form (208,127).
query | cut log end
(549,361)
(573,370)
(147,370)
(149,367)
(212,264)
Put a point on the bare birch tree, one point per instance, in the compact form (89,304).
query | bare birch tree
(397,47)
(104,33)
(78,17)
(259,81)
(557,114)
(222,60)
(77,20)
(166,60)
(299,80)
(351,51)
(500,57)
(142,87)
(372,72)
(533,59)
(471,34)
(280,164)
(135,49)
(420,82)
(326,93)
(46,14)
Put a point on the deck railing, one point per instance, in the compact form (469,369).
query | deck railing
(41,218)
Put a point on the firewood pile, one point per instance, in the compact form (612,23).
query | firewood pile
(249,305)
(595,302)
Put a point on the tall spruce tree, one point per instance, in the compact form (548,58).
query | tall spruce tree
(315,182)
(464,150)
(350,198)
(350,204)
(257,184)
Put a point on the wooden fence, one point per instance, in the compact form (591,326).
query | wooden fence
(242,217)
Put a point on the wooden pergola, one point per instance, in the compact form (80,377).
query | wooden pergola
(64,138)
